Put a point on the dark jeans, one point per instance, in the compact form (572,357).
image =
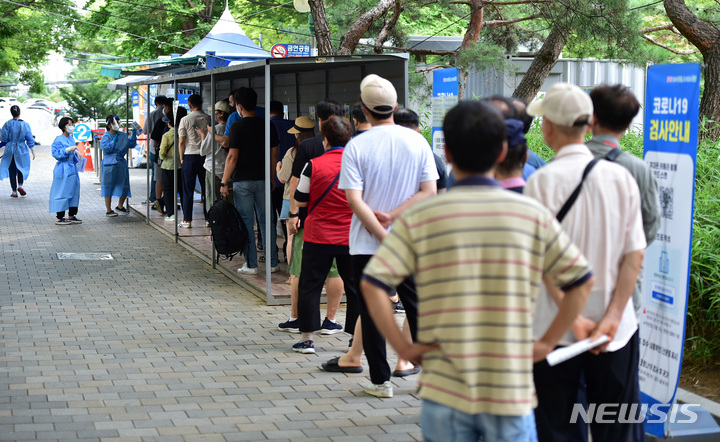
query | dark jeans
(373,341)
(16,177)
(192,170)
(151,163)
(610,378)
(169,190)
(316,263)
(71,212)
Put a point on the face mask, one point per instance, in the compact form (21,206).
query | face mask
(115,127)
(69,129)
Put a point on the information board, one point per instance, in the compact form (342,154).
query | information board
(671,135)
(445,97)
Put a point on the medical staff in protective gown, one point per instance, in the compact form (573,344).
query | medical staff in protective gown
(115,176)
(65,190)
(19,142)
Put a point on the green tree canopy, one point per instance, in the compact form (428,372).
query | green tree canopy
(28,32)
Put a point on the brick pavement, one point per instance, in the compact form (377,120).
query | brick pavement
(155,345)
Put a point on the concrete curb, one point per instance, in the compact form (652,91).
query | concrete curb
(687,397)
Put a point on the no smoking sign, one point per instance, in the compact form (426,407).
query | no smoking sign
(279,51)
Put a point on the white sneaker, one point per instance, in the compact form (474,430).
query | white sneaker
(185,224)
(248,270)
(170,218)
(274,269)
(379,390)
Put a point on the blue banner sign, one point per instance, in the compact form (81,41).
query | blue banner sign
(445,96)
(671,136)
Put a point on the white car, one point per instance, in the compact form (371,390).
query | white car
(6,102)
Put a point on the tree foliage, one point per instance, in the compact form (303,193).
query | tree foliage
(93,100)
(28,34)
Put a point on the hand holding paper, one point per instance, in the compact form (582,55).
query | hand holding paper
(564,353)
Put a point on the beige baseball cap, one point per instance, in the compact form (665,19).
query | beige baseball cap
(223,106)
(564,104)
(378,94)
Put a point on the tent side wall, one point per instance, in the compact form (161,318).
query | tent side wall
(300,83)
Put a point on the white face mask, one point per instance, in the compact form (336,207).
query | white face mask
(69,128)
(115,127)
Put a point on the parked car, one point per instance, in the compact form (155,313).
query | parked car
(6,102)
(43,104)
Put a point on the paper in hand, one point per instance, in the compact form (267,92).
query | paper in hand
(564,353)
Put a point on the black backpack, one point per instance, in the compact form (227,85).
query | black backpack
(228,229)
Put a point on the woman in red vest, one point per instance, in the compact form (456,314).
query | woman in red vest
(327,231)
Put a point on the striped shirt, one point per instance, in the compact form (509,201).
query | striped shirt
(478,254)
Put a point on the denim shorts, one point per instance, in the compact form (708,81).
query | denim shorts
(285,211)
(443,423)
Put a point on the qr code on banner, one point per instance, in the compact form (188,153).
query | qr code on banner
(666,202)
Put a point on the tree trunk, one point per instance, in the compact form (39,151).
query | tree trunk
(352,36)
(706,38)
(542,64)
(470,39)
(322,28)
(710,102)
(472,34)
(387,28)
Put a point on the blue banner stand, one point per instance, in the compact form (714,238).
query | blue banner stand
(671,131)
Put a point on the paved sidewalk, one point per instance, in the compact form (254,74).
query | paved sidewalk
(154,344)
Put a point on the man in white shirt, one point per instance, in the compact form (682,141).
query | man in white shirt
(192,162)
(606,224)
(384,172)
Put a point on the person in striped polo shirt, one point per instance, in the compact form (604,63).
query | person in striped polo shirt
(479,254)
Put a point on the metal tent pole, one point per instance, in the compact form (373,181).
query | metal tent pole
(147,159)
(268,178)
(213,143)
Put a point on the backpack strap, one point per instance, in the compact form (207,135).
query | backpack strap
(337,177)
(573,196)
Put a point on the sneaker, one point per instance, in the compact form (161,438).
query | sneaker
(158,206)
(13,195)
(248,270)
(74,220)
(398,306)
(379,390)
(274,269)
(307,347)
(111,213)
(207,223)
(122,210)
(22,191)
(63,222)
(170,218)
(290,326)
(330,328)
(185,224)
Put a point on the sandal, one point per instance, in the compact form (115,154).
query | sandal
(290,280)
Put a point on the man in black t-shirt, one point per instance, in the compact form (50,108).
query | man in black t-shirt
(245,172)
